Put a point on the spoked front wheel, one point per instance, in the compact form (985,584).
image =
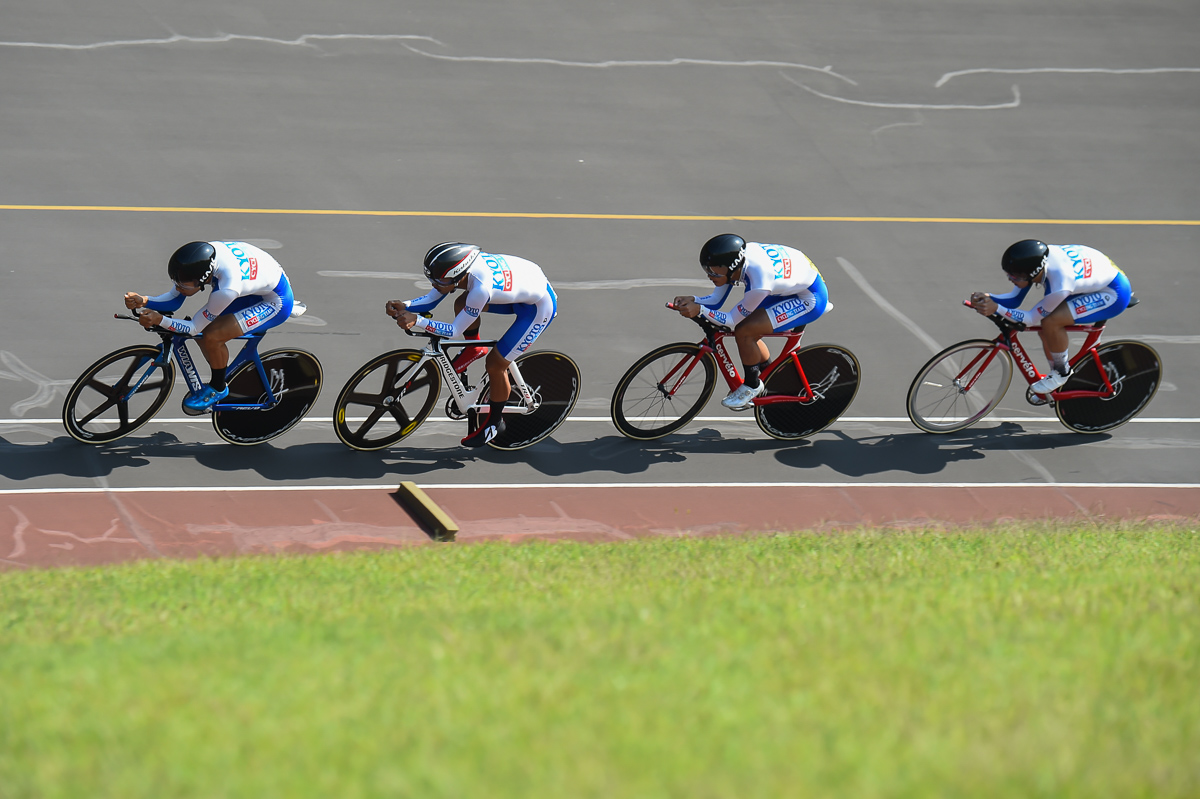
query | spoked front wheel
(386,400)
(118,394)
(553,378)
(663,391)
(959,386)
(1134,371)
(295,380)
(832,373)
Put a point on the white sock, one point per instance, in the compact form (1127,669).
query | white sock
(1058,360)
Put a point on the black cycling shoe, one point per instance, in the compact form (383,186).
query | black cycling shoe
(486,432)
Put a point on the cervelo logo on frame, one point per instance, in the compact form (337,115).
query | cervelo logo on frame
(1023,359)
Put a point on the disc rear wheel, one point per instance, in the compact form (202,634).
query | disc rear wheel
(832,373)
(553,379)
(1134,371)
(295,380)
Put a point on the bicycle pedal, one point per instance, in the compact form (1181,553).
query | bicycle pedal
(1037,400)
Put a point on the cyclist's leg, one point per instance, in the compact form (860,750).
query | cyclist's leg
(254,313)
(1104,304)
(467,355)
(531,321)
(1083,309)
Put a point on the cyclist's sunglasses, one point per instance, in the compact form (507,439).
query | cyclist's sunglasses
(444,283)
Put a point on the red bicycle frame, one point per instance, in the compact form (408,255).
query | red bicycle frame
(715,343)
(1007,340)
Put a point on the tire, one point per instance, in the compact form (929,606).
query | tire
(1135,372)
(833,376)
(643,409)
(554,380)
(95,411)
(936,402)
(394,398)
(295,378)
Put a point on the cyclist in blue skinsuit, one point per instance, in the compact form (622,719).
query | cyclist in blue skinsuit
(499,284)
(250,293)
(784,291)
(1082,286)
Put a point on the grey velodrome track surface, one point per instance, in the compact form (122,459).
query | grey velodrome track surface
(862,109)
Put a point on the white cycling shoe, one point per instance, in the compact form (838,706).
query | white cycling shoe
(742,397)
(1051,382)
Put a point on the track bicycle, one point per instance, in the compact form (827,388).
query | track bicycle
(1109,383)
(268,393)
(807,389)
(391,395)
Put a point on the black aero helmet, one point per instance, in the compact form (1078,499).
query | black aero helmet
(1026,258)
(193,261)
(724,250)
(448,261)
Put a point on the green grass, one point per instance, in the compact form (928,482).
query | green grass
(1000,663)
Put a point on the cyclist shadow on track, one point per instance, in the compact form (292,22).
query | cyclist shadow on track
(852,455)
(63,456)
(921,453)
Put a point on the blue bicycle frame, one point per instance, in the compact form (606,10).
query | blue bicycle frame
(178,345)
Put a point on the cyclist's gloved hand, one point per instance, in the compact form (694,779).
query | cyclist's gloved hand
(406,319)
(687,307)
(983,303)
(149,319)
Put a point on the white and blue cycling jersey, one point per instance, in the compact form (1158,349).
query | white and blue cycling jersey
(246,282)
(499,284)
(1093,287)
(781,280)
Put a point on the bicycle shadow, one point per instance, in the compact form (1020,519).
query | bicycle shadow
(910,452)
(921,453)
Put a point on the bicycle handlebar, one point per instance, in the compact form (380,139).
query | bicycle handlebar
(999,321)
(133,317)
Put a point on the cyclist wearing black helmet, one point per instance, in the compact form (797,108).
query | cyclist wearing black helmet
(250,292)
(784,291)
(499,284)
(1082,286)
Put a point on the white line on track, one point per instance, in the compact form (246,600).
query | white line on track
(714,419)
(512,486)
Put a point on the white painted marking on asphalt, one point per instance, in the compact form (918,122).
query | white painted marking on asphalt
(673,62)
(888,308)
(302,41)
(44,387)
(1014,103)
(1062,70)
